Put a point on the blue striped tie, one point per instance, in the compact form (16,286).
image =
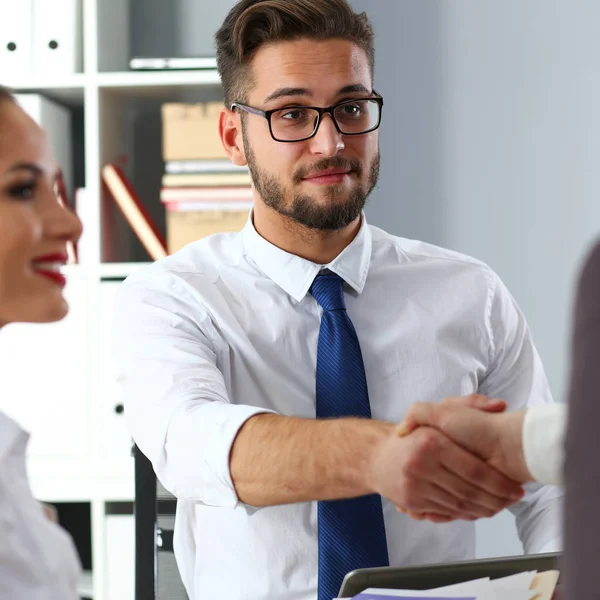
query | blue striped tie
(351,532)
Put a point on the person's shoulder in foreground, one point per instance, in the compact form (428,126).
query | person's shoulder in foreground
(591,270)
(582,447)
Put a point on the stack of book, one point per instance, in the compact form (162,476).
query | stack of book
(202,190)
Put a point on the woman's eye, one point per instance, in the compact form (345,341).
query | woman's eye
(24,191)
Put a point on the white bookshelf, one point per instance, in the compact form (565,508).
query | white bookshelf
(71,89)
(156,82)
(82,453)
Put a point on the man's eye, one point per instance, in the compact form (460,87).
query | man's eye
(352,110)
(294,115)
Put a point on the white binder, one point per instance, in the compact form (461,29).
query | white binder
(15,41)
(88,248)
(57,39)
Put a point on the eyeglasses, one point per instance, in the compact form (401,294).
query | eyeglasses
(300,123)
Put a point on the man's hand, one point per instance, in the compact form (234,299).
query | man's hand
(331,459)
(427,473)
(496,438)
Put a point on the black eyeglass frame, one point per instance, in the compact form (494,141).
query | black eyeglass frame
(266,114)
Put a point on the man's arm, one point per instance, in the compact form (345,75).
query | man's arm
(209,450)
(278,460)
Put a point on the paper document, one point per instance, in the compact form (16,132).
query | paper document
(544,584)
(529,585)
(406,596)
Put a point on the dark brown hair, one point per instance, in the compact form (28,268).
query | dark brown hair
(252,23)
(6,95)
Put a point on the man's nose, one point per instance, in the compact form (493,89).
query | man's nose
(328,141)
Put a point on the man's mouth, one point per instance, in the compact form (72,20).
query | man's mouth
(328,176)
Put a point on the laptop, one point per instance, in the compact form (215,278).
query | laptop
(443,574)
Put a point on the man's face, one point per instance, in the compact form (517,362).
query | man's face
(286,175)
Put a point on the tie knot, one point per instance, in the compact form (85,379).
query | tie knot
(328,291)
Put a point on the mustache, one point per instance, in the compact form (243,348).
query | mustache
(336,162)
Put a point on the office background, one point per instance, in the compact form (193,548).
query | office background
(489,145)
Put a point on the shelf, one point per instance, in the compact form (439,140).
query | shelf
(153,84)
(156,83)
(120,270)
(68,89)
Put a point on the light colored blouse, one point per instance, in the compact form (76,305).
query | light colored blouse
(38,560)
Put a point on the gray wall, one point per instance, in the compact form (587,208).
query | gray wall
(489,141)
(489,144)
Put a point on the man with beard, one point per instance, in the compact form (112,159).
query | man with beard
(264,372)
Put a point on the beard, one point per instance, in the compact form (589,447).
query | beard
(305,209)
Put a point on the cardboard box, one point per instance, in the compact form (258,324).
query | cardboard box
(191,131)
(184,227)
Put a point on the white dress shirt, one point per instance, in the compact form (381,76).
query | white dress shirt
(543,442)
(225,329)
(38,560)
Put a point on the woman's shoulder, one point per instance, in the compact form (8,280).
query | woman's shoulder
(12,436)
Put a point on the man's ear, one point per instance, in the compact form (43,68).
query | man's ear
(230,130)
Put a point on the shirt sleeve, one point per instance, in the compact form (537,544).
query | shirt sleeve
(543,439)
(516,375)
(177,406)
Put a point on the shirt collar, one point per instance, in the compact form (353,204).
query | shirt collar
(295,274)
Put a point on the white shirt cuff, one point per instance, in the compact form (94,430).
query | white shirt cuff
(202,441)
(543,433)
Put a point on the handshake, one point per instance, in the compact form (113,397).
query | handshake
(460,459)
